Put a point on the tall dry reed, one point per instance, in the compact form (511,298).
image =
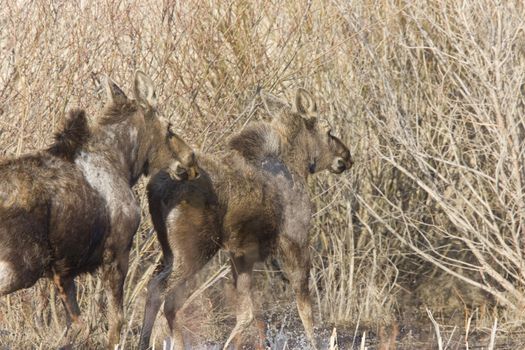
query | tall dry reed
(428,94)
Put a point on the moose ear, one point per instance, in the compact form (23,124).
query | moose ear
(304,102)
(145,91)
(114,92)
(272,103)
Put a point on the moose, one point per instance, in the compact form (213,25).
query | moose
(69,209)
(253,203)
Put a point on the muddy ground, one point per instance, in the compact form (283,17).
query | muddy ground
(283,330)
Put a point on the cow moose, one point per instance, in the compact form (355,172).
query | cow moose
(252,202)
(69,209)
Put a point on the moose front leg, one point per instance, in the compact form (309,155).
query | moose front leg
(296,264)
(114,277)
(67,292)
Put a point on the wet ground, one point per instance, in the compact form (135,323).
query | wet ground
(286,332)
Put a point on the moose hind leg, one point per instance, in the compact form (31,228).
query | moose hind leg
(15,276)
(9,281)
(156,288)
(176,295)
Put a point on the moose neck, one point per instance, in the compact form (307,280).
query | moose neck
(261,141)
(295,154)
(122,145)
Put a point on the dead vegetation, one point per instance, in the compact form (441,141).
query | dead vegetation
(429,95)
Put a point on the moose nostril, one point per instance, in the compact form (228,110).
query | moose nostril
(181,173)
(341,165)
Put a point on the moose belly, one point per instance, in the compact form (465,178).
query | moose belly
(80,225)
(253,230)
(79,248)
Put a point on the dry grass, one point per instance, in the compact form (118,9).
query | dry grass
(428,94)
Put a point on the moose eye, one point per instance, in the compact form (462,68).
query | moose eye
(170,133)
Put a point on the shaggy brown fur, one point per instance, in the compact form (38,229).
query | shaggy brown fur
(72,137)
(252,202)
(70,209)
